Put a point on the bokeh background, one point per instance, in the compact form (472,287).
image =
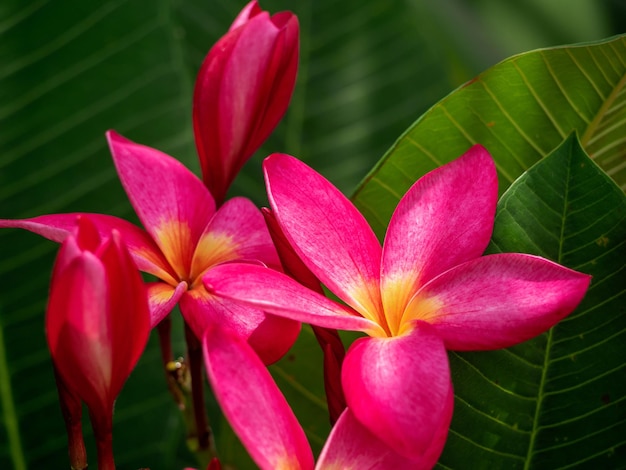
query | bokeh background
(71,70)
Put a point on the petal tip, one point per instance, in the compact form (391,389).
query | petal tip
(116,139)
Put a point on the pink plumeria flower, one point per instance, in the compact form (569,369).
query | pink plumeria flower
(242,91)
(268,428)
(184,237)
(427,289)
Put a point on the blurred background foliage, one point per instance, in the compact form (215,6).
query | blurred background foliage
(71,70)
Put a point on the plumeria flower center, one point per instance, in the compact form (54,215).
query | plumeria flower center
(211,249)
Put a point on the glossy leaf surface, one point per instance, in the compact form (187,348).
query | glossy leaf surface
(520,110)
(555,401)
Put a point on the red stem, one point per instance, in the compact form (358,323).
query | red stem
(334,353)
(164,328)
(103,431)
(105,452)
(194,355)
(72,410)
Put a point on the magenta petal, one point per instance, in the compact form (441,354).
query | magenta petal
(278,294)
(79,323)
(350,446)
(445,219)
(269,335)
(432,454)
(279,78)
(57,227)
(499,300)
(250,10)
(171,202)
(162,298)
(253,404)
(399,388)
(327,232)
(128,309)
(290,261)
(236,232)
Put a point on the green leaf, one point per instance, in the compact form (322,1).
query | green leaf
(520,110)
(556,401)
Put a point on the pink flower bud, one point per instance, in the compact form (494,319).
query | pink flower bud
(97,321)
(242,91)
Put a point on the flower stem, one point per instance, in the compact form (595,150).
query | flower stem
(334,353)
(103,431)
(72,410)
(105,452)
(172,376)
(202,433)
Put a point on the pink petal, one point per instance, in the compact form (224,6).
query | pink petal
(399,388)
(350,446)
(279,78)
(236,232)
(162,299)
(171,202)
(290,261)
(269,335)
(432,454)
(81,238)
(250,10)
(214,161)
(77,331)
(499,300)
(445,219)
(327,232)
(278,294)
(253,404)
(87,236)
(57,227)
(128,313)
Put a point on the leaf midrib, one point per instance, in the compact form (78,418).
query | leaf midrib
(606,105)
(546,359)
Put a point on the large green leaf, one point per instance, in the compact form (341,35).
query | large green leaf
(556,401)
(72,69)
(520,109)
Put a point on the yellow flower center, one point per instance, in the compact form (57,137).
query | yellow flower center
(190,259)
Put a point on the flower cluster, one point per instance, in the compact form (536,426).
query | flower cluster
(245,279)
(243,89)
